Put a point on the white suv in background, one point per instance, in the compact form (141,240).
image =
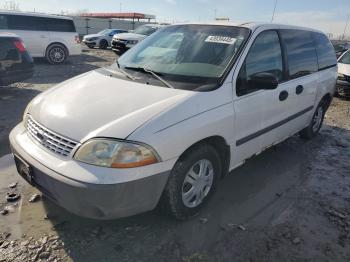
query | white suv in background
(102,39)
(49,36)
(123,42)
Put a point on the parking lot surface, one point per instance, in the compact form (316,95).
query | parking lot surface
(290,203)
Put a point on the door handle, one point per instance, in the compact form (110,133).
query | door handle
(283,95)
(299,89)
(43,36)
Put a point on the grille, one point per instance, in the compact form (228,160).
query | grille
(55,143)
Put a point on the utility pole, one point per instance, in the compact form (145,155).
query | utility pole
(274,10)
(120,7)
(346,25)
(215,11)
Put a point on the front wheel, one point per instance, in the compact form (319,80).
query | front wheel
(103,44)
(56,54)
(316,122)
(192,182)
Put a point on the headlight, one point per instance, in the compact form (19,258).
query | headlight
(92,39)
(116,153)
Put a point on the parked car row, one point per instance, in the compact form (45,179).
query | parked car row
(52,37)
(102,39)
(27,35)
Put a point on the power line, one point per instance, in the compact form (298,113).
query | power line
(274,10)
(346,25)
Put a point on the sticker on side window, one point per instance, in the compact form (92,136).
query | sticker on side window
(221,39)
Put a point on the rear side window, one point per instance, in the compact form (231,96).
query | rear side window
(33,23)
(301,53)
(265,56)
(8,52)
(22,22)
(5,47)
(3,22)
(59,25)
(325,51)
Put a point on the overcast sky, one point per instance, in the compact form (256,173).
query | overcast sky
(327,15)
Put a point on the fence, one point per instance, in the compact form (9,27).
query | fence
(87,25)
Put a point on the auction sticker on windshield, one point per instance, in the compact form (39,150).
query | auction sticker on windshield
(221,39)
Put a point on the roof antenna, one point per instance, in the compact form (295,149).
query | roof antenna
(274,10)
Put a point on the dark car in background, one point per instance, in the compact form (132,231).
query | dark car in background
(16,64)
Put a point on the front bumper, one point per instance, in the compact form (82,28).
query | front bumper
(89,43)
(343,88)
(98,201)
(119,46)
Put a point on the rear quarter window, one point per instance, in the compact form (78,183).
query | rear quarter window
(59,25)
(301,52)
(34,23)
(325,51)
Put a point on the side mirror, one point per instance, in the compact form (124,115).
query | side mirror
(111,34)
(265,81)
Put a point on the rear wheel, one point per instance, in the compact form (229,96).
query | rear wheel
(56,54)
(316,122)
(103,44)
(192,182)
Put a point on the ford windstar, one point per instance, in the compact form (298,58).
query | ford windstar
(172,116)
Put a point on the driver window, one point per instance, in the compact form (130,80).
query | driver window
(265,56)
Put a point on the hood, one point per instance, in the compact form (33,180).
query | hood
(344,69)
(129,36)
(92,35)
(98,105)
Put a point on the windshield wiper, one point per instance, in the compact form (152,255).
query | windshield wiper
(147,70)
(125,73)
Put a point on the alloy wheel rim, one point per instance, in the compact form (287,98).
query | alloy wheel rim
(197,183)
(317,119)
(57,55)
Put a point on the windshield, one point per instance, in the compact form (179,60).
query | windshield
(345,58)
(145,30)
(339,47)
(104,32)
(188,55)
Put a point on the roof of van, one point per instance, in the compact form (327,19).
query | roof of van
(34,14)
(254,25)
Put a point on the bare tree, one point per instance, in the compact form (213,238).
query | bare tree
(11,5)
(80,12)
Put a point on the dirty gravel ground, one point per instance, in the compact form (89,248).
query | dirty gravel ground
(290,203)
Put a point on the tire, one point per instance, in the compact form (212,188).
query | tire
(103,44)
(56,54)
(316,122)
(180,198)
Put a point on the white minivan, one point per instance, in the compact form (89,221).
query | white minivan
(170,118)
(49,36)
